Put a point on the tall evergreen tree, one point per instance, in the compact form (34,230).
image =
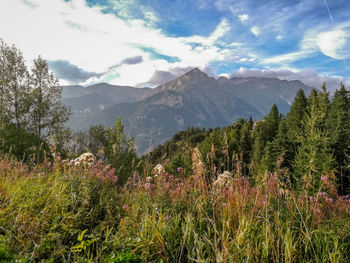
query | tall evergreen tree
(271,123)
(338,125)
(282,145)
(297,109)
(314,157)
(245,142)
(257,150)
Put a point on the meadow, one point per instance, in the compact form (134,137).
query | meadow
(53,212)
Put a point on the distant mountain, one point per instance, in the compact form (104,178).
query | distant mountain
(193,99)
(87,101)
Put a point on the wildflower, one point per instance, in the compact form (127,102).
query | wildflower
(329,200)
(313,199)
(324,178)
(147,185)
(179,169)
(323,194)
(125,206)
(166,218)
(148,179)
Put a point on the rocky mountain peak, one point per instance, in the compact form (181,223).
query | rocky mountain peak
(188,79)
(196,74)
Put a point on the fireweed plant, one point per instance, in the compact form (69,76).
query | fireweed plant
(54,212)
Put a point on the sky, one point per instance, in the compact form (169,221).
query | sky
(149,42)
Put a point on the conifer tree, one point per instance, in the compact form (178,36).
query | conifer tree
(282,145)
(257,150)
(271,123)
(297,109)
(245,143)
(338,125)
(314,157)
(268,160)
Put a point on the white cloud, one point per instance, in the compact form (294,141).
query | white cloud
(94,41)
(279,37)
(243,17)
(255,30)
(308,77)
(332,43)
(222,28)
(289,57)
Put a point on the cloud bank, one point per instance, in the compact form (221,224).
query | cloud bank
(308,77)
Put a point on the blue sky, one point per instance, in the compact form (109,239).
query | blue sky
(148,42)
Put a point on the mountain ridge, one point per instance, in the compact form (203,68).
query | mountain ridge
(192,99)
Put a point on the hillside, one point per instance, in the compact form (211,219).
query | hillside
(193,99)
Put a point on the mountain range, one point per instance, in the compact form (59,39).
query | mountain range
(152,116)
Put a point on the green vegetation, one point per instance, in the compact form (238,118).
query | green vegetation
(30,105)
(79,214)
(275,190)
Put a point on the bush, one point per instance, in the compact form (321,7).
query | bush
(79,214)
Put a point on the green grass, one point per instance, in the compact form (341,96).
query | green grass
(70,214)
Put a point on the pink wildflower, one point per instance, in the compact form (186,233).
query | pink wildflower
(313,199)
(324,178)
(329,200)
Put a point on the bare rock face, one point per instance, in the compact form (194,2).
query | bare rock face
(223,179)
(87,159)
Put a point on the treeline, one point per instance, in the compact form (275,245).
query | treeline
(309,145)
(32,120)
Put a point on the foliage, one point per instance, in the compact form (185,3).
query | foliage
(79,214)
(46,114)
(120,151)
(30,104)
(282,197)
(28,148)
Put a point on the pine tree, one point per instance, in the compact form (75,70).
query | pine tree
(314,158)
(245,142)
(338,125)
(297,109)
(283,146)
(257,150)
(268,160)
(271,123)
